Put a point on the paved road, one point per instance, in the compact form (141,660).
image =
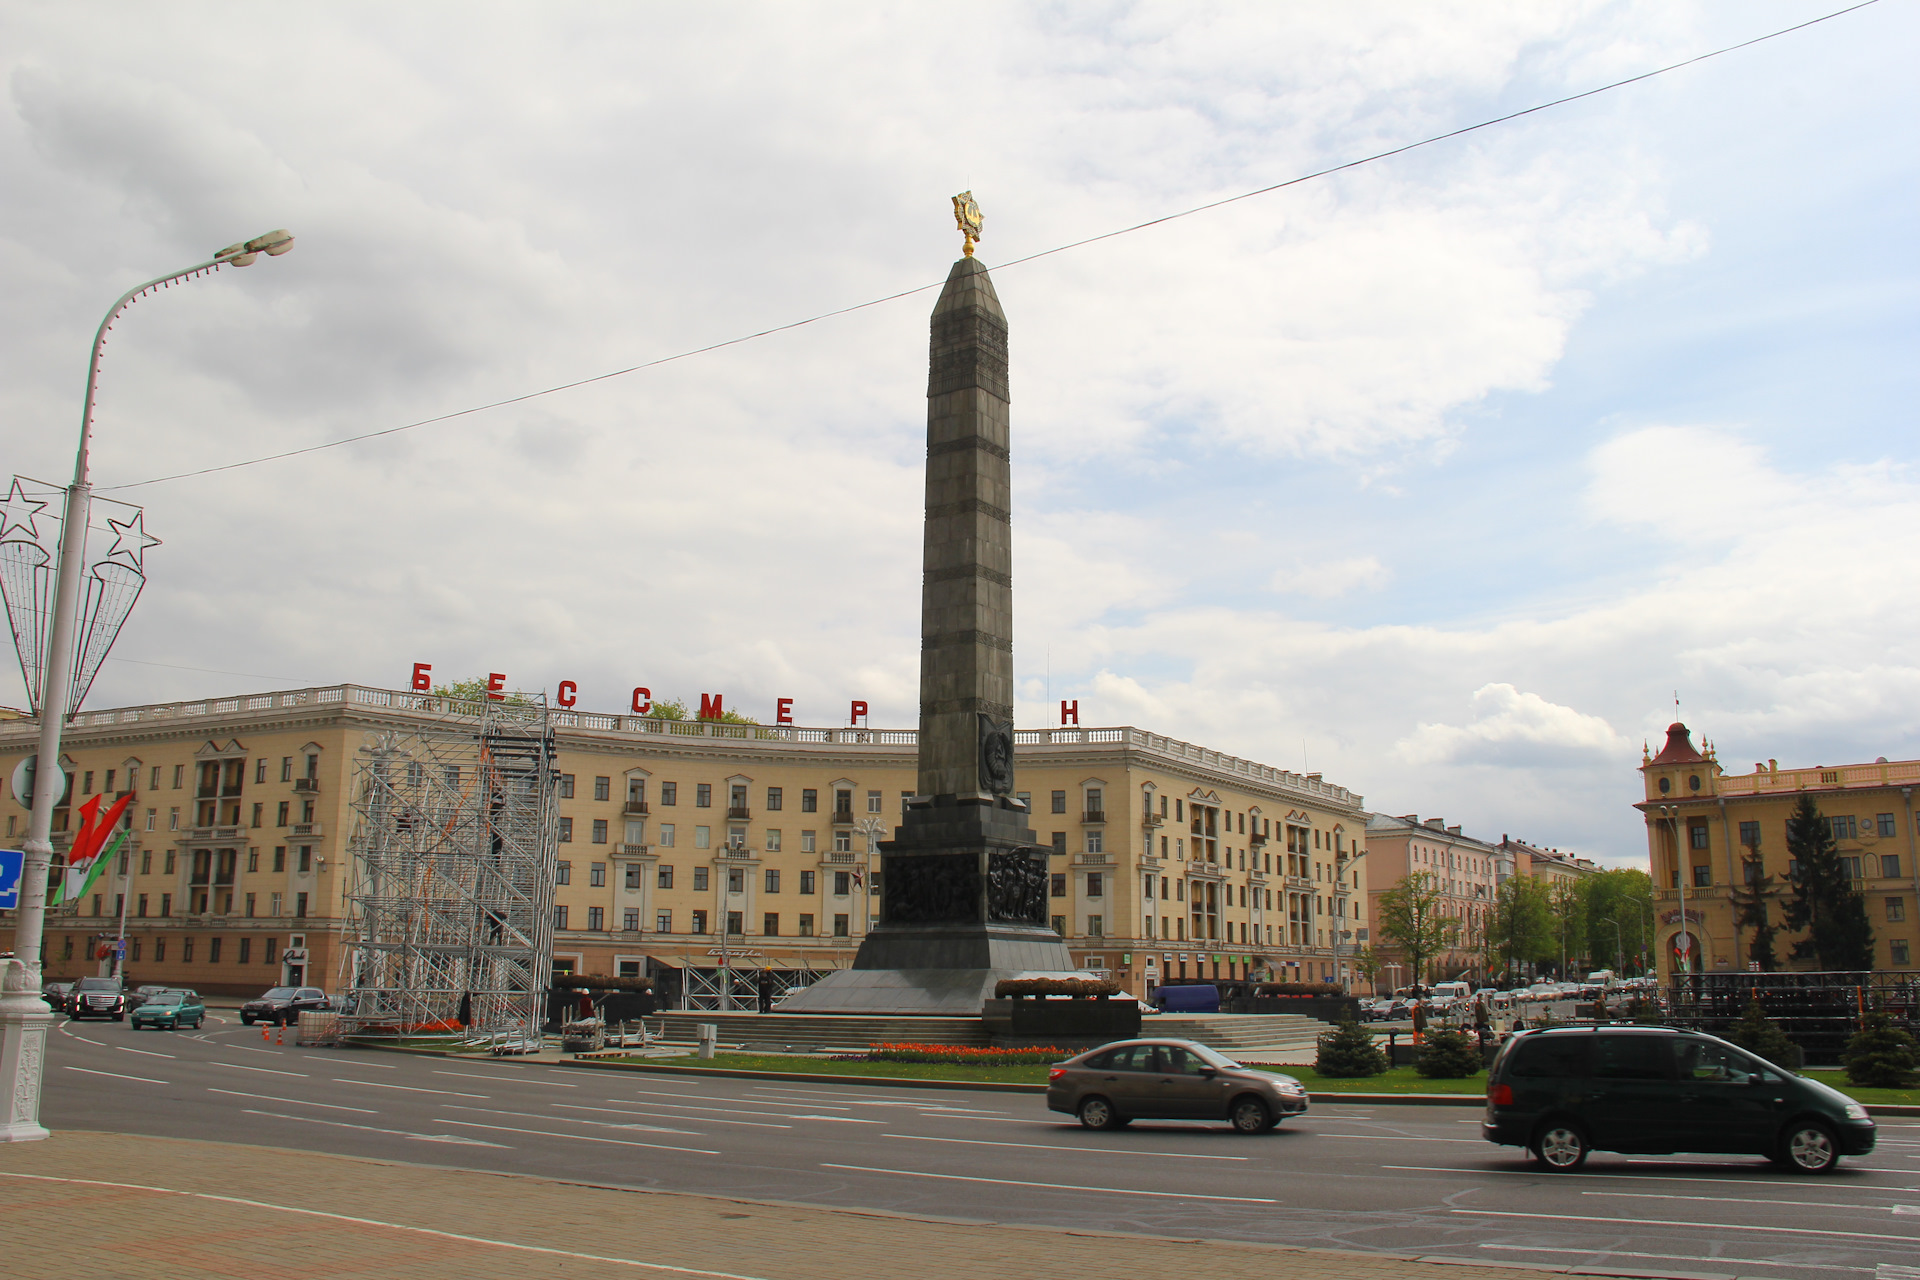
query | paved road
(1401,1179)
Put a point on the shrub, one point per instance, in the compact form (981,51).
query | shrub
(1055,987)
(1448,1055)
(1761,1036)
(963,1054)
(1645,1012)
(1880,1055)
(1348,1052)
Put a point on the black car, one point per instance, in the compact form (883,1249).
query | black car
(1654,1090)
(284,1005)
(97,998)
(55,994)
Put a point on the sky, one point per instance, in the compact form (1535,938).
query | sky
(1441,476)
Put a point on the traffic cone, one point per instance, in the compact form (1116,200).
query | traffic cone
(263,1033)
(280,1034)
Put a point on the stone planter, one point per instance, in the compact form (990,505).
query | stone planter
(1055,1021)
(1325,1008)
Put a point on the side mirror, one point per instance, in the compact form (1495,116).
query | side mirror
(1208,1072)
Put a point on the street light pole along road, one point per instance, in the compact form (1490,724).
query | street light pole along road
(23,1015)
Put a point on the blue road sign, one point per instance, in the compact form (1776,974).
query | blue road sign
(11,861)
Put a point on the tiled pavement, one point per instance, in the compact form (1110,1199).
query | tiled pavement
(101,1205)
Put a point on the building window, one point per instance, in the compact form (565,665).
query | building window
(1096,805)
(773,840)
(806,842)
(770,924)
(874,801)
(736,880)
(736,837)
(1844,828)
(1697,835)
(703,795)
(213,950)
(806,881)
(1059,924)
(566,831)
(599,830)
(250,900)
(1058,884)
(840,929)
(1890,866)
(306,858)
(1898,953)
(633,875)
(279,858)
(630,919)
(597,874)
(1059,802)
(596,918)
(843,805)
(809,800)
(1702,876)
(669,793)
(1884,824)
(843,842)
(700,882)
(806,926)
(1096,927)
(273,901)
(282,815)
(703,837)
(1851,865)
(140,905)
(1093,884)
(1095,842)
(775,798)
(179,776)
(664,876)
(1059,842)
(663,921)
(566,786)
(773,880)
(173,816)
(842,883)
(300,905)
(699,922)
(563,872)
(559,915)
(186,950)
(1896,909)
(603,788)
(168,862)
(666,835)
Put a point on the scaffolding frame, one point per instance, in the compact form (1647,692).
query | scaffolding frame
(450,906)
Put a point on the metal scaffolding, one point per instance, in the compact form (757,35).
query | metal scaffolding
(450,909)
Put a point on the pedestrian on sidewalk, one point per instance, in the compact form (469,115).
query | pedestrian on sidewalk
(1419,1021)
(766,991)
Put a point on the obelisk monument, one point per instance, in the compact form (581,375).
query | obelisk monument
(964,887)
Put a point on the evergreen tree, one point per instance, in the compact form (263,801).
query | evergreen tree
(1880,1055)
(1761,1036)
(1448,1055)
(1824,901)
(1348,1051)
(1750,912)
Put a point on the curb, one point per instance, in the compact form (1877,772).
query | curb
(811,1077)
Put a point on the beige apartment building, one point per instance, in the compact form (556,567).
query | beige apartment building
(686,846)
(1465,870)
(1709,831)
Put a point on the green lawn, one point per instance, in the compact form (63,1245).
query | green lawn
(1397,1080)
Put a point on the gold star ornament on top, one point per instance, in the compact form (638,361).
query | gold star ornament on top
(966,212)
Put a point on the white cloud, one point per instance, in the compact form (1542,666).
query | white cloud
(1518,729)
(1325,579)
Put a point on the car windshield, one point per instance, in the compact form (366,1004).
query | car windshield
(98,984)
(167,997)
(281,993)
(1213,1059)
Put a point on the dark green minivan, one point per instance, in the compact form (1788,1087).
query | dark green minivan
(1654,1090)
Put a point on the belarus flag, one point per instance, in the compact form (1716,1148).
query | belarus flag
(86,859)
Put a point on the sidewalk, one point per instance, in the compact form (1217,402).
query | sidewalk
(111,1205)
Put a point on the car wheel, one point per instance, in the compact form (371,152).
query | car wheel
(246,1019)
(119,1017)
(1808,1147)
(1250,1115)
(1560,1146)
(197,1022)
(1097,1113)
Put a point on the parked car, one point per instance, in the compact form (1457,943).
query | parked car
(1115,1084)
(283,1005)
(55,994)
(1655,1090)
(170,1009)
(143,994)
(97,998)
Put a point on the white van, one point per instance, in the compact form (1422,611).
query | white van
(1455,990)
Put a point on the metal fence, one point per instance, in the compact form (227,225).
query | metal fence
(1818,1011)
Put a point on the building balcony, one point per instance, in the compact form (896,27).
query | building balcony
(739,813)
(632,851)
(634,808)
(736,851)
(307,830)
(214,833)
(1151,819)
(1256,840)
(842,817)
(1298,882)
(1093,815)
(842,856)
(1093,860)
(206,793)
(307,785)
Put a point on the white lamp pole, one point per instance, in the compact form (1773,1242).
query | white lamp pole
(24,1016)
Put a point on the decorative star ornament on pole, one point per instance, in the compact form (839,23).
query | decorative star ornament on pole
(113,583)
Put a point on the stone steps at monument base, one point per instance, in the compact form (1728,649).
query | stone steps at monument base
(811,1032)
(1230,1031)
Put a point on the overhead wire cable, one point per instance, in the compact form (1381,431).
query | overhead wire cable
(1032,257)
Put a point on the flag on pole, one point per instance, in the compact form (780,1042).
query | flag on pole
(84,857)
(98,865)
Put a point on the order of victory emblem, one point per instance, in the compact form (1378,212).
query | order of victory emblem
(966,212)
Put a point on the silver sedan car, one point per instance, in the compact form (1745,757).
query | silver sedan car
(1170,1080)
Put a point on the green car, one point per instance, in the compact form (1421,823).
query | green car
(173,1008)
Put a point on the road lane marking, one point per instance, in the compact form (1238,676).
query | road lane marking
(1054,1186)
(392,1226)
(1672,1257)
(147,1052)
(267,1071)
(250,1049)
(116,1075)
(751,1124)
(1659,1222)
(676,1106)
(604,1124)
(77,1036)
(580,1137)
(1396,1137)
(301,1102)
(407,1088)
(1802,1204)
(1586,1173)
(1041,1146)
(468,1075)
(368,1128)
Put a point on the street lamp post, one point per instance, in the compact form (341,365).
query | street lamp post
(1619,950)
(1672,814)
(23,1014)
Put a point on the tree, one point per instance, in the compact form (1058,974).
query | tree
(1760,1035)
(1410,915)
(1367,963)
(1750,912)
(1622,897)
(1448,1055)
(1520,928)
(1570,922)
(1824,901)
(1880,1055)
(1348,1051)
(475,690)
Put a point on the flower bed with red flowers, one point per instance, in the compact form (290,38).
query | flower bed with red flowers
(962,1054)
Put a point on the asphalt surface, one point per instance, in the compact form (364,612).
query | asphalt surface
(1401,1179)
